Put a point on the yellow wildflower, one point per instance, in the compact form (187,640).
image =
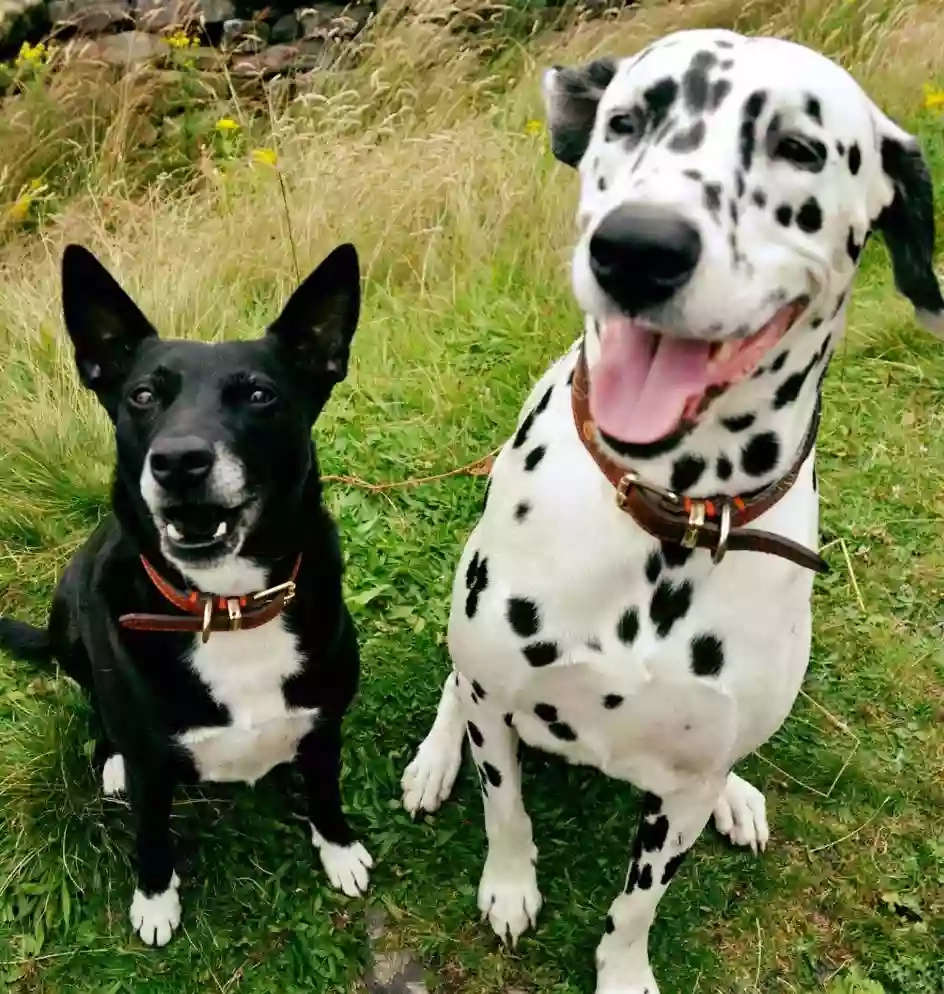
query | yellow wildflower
(534,127)
(933,99)
(267,156)
(30,55)
(180,39)
(225,124)
(20,208)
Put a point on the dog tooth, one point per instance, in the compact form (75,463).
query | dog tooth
(220,530)
(175,533)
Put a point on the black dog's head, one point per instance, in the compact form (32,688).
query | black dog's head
(211,438)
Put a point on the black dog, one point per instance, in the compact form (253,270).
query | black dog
(204,616)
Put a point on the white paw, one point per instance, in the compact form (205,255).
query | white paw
(509,896)
(113,775)
(623,969)
(741,814)
(155,918)
(428,780)
(347,866)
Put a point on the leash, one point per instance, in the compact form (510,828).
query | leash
(208,613)
(716,524)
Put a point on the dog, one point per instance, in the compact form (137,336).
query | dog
(610,606)
(204,616)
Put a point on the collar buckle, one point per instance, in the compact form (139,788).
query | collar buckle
(632,479)
(288,587)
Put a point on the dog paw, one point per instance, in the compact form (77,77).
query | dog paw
(113,775)
(741,814)
(428,780)
(155,918)
(624,969)
(348,867)
(509,897)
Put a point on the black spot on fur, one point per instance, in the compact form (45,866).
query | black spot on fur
(653,566)
(855,158)
(601,183)
(754,105)
(570,378)
(719,90)
(659,99)
(739,185)
(476,581)
(544,401)
(852,247)
(478,689)
(645,877)
(651,805)
(541,653)
(740,422)
(471,571)
(789,390)
(675,555)
(532,459)
(654,833)
(510,720)
(810,216)
(840,300)
(707,655)
(612,701)
(693,174)
(840,148)
(814,478)
(627,628)
(595,645)
(488,487)
(561,730)
(695,89)
(724,43)
(759,198)
(761,453)
(546,712)
(713,198)
(671,868)
(747,140)
(669,604)
(523,616)
(633,878)
(475,733)
(521,435)
(494,776)
(690,139)
(777,364)
(733,211)
(784,215)
(686,472)
(522,509)
(814,110)
(608,925)
(723,468)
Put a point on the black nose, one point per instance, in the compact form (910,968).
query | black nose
(642,254)
(178,463)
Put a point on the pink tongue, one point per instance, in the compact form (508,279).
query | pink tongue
(639,396)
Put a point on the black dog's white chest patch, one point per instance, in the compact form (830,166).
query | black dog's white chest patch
(244,672)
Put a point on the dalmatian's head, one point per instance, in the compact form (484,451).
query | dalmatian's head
(728,185)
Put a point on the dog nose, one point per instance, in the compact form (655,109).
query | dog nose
(641,254)
(178,463)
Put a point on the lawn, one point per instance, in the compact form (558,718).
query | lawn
(428,155)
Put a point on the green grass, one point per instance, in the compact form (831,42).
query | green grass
(463,222)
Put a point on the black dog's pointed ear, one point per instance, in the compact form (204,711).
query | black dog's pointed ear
(104,323)
(907,224)
(571,97)
(319,320)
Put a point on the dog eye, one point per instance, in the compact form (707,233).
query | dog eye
(261,396)
(806,153)
(142,397)
(627,125)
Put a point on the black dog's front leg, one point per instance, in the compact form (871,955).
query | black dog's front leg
(345,861)
(155,909)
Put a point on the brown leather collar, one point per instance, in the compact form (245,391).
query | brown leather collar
(716,524)
(208,613)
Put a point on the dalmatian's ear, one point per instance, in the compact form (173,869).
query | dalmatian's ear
(907,223)
(571,97)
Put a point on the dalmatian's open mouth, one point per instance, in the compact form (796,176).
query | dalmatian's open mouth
(646,383)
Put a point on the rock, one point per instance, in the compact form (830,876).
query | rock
(244,36)
(285,29)
(17,17)
(329,20)
(215,11)
(127,48)
(90,16)
(313,53)
(156,15)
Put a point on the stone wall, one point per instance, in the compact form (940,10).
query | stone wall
(206,33)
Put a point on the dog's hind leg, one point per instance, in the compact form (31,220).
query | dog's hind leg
(429,778)
(668,828)
(508,890)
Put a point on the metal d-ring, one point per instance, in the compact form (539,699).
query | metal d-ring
(207,619)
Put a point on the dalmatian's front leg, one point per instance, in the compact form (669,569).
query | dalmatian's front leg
(668,828)
(508,891)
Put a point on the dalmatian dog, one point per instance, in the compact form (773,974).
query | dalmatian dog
(727,187)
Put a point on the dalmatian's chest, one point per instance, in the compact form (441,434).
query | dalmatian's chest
(648,662)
